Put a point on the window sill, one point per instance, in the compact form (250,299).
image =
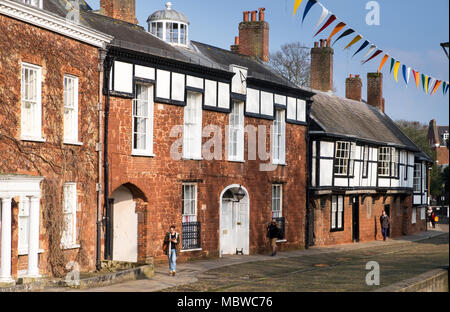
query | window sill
(192,158)
(25,252)
(279,164)
(236,160)
(142,154)
(191,250)
(337,230)
(73,143)
(32,139)
(282,241)
(69,247)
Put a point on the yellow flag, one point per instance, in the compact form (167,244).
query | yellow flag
(355,40)
(426,84)
(296,5)
(397,66)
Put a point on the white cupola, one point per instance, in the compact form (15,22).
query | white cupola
(170,26)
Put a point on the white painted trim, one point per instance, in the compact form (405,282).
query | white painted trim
(73,143)
(143,154)
(32,139)
(54,23)
(191,250)
(25,252)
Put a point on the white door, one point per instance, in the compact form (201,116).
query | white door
(125,230)
(234,227)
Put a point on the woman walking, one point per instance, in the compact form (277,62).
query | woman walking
(171,245)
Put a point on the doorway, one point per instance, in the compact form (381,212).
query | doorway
(355,219)
(387,209)
(234,222)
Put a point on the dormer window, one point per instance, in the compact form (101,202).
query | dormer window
(445,136)
(169,26)
(36,3)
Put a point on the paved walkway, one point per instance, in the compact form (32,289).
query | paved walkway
(190,272)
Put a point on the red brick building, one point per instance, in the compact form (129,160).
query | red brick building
(49,130)
(438,139)
(189,129)
(361,162)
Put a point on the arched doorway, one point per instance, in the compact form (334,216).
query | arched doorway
(125,226)
(234,222)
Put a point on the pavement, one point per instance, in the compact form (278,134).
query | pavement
(257,272)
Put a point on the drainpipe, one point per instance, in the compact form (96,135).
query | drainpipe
(101,57)
(108,232)
(308,174)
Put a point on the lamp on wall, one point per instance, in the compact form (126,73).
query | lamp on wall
(239,194)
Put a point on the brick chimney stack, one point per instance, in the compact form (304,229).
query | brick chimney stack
(321,71)
(375,90)
(253,37)
(353,88)
(124,10)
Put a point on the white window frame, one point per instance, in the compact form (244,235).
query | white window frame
(279,137)
(148,118)
(236,132)
(414,215)
(342,157)
(422,213)
(190,216)
(36,3)
(277,201)
(395,159)
(31,104)
(384,161)
(365,168)
(192,131)
(417,178)
(71,106)
(337,213)
(68,240)
(23,225)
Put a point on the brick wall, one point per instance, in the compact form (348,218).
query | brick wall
(160,180)
(124,10)
(369,219)
(375,90)
(322,67)
(353,88)
(442,155)
(57,162)
(254,39)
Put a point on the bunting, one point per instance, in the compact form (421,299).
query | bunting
(430,85)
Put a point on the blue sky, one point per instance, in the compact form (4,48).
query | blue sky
(411,30)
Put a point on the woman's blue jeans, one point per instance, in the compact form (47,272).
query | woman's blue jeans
(173,260)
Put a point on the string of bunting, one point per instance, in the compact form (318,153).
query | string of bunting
(429,84)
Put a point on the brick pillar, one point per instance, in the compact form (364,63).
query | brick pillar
(353,88)
(253,36)
(124,10)
(375,90)
(322,66)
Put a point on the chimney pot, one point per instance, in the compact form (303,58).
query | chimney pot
(236,40)
(261,14)
(328,43)
(351,76)
(353,88)
(254,16)
(245,16)
(316,44)
(375,90)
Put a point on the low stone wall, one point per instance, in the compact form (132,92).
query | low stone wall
(432,281)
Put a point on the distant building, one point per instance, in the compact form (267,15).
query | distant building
(438,139)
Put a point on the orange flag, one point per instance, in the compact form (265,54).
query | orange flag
(436,86)
(416,78)
(336,29)
(385,58)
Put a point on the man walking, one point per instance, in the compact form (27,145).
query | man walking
(385,222)
(171,244)
(273,231)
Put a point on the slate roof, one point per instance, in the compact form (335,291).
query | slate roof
(344,117)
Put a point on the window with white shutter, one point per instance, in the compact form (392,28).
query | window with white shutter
(189,196)
(69,211)
(31,118)
(277,211)
(279,137)
(192,134)
(236,136)
(142,123)
(414,216)
(337,213)
(70,109)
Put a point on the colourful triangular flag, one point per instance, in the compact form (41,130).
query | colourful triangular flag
(392,64)
(296,5)
(373,56)
(383,61)
(344,34)
(336,29)
(416,78)
(355,40)
(308,7)
(396,67)
(325,13)
(436,86)
(328,23)
(362,47)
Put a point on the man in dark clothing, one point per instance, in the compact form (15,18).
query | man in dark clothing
(171,244)
(385,222)
(273,231)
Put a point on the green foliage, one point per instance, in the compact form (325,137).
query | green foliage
(418,133)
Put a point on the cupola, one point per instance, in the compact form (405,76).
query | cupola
(170,26)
